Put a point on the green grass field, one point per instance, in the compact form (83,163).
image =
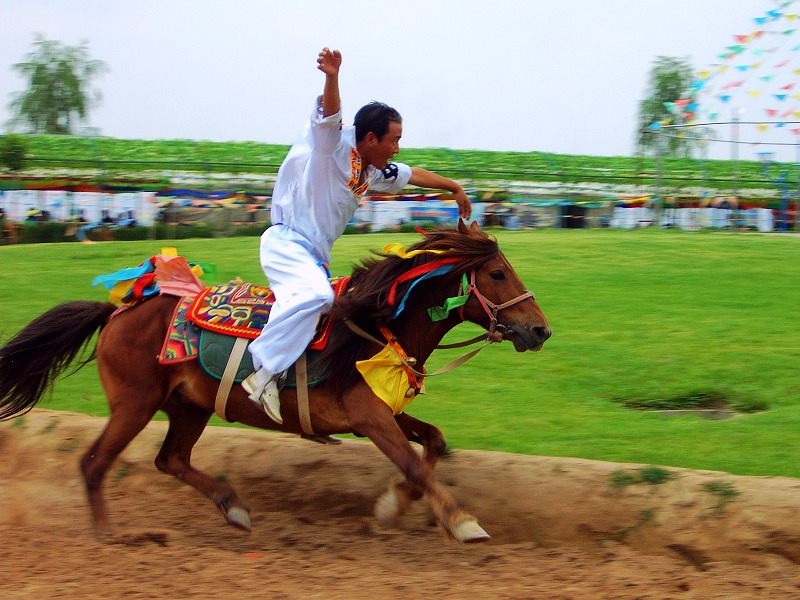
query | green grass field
(640,316)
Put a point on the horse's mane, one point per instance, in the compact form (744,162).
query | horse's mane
(365,300)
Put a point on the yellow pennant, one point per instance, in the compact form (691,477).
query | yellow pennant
(386,377)
(397,249)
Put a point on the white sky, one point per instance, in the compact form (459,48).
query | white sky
(561,76)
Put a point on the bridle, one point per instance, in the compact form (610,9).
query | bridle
(494,332)
(490,308)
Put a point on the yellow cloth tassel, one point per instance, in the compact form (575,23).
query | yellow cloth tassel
(397,249)
(119,291)
(385,375)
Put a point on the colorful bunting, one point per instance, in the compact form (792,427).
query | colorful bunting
(756,73)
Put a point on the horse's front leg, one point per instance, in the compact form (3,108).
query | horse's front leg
(371,417)
(394,503)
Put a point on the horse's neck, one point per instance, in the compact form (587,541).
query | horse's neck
(418,336)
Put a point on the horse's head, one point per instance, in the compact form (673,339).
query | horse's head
(499,301)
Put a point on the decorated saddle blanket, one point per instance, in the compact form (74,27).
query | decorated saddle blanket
(205,327)
(215,348)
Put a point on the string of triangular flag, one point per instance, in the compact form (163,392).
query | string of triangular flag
(757,74)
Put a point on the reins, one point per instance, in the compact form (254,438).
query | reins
(492,336)
(409,362)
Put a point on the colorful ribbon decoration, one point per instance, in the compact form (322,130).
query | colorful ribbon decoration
(440,313)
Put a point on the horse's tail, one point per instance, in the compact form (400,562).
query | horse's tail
(32,360)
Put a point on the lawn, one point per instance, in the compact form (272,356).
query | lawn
(643,317)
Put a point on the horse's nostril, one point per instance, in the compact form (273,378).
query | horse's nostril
(541,334)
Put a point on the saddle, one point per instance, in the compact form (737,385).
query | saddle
(207,326)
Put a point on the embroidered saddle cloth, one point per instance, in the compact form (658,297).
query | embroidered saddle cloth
(206,327)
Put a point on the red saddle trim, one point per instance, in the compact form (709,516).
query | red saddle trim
(242,311)
(325,324)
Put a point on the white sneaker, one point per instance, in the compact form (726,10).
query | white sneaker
(270,401)
(265,394)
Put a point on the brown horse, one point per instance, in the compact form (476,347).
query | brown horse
(137,385)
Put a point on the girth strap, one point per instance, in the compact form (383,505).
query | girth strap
(303,407)
(228,376)
(301,375)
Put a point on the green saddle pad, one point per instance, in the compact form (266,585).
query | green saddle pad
(215,349)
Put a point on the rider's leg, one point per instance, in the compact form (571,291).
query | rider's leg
(302,293)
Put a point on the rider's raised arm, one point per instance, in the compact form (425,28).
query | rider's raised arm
(329,62)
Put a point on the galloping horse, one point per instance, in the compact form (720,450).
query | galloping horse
(137,385)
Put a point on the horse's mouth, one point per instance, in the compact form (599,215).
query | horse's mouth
(532,340)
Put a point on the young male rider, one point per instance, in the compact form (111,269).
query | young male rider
(317,192)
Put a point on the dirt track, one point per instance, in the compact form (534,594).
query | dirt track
(559,528)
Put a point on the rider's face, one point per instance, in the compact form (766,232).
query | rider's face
(381,151)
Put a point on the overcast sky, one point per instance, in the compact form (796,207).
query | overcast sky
(522,75)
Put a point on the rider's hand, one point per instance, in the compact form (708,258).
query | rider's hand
(464,204)
(329,61)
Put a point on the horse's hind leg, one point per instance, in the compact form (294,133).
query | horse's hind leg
(186,424)
(400,495)
(123,425)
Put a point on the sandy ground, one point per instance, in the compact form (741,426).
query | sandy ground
(559,528)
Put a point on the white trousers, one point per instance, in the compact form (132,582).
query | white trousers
(302,293)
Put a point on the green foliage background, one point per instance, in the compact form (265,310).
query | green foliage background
(639,315)
(144,162)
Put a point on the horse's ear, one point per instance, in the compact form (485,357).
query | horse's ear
(463,228)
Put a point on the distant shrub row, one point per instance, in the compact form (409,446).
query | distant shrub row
(56,231)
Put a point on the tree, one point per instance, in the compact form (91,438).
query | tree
(670,82)
(13,152)
(59,87)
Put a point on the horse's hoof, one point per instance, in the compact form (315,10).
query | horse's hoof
(386,508)
(239,517)
(469,532)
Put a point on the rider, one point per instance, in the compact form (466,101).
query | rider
(317,192)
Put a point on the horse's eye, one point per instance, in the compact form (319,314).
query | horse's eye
(498,275)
